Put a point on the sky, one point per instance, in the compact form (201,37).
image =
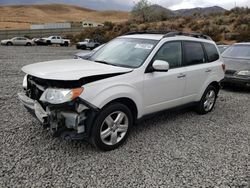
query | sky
(128,4)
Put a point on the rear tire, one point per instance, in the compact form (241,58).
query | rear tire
(66,44)
(208,100)
(111,127)
(28,44)
(48,42)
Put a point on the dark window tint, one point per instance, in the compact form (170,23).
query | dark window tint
(194,53)
(212,53)
(170,52)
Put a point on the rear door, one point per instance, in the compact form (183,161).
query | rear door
(198,69)
(59,40)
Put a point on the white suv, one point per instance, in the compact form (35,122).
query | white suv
(129,78)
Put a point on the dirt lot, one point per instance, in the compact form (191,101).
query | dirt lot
(173,149)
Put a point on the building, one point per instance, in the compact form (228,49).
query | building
(50,26)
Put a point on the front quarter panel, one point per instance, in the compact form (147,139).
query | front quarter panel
(102,92)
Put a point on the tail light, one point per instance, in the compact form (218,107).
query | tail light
(223,67)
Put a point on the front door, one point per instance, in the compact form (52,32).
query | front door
(163,90)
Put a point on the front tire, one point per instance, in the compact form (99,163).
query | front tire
(9,43)
(207,102)
(83,47)
(112,126)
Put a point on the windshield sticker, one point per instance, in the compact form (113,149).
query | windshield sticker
(144,46)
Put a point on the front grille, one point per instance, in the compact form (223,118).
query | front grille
(231,72)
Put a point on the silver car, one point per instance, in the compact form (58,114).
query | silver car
(87,54)
(18,41)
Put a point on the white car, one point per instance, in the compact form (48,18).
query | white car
(18,41)
(53,40)
(129,78)
(87,44)
(87,54)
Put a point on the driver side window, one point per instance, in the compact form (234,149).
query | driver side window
(170,52)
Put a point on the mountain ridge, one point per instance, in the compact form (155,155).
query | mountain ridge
(21,16)
(188,12)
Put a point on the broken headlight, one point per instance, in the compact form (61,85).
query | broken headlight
(59,96)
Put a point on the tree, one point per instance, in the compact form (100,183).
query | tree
(141,11)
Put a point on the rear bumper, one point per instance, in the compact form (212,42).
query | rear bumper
(237,81)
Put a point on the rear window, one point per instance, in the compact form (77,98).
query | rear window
(194,53)
(212,53)
(237,51)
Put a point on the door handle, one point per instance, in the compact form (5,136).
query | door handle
(181,75)
(208,70)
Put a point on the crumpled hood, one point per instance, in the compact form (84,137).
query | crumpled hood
(71,69)
(236,64)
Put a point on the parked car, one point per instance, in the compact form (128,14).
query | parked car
(86,54)
(18,41)
(222,48)
(237,60)
(53,40)
(88,44)
(129,78)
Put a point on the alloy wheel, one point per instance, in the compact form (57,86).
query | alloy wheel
(209,100)
(114,128)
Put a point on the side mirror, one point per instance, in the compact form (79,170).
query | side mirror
(160,66)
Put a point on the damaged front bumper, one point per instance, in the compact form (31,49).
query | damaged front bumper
(71,120)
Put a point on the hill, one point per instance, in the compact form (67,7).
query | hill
(202,11)
(20,17)
(160,9)
(186,12)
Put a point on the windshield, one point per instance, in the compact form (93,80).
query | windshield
(238,51)
(125,52)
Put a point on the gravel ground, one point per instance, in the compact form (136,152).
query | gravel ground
(174,149)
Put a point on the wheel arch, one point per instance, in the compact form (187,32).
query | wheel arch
(216,85)
(213,83)
(127,102)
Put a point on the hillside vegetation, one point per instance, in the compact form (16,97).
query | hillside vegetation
(20,17)
(224,27)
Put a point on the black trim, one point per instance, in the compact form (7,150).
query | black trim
(69,84)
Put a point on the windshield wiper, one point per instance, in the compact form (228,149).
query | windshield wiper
(105,62)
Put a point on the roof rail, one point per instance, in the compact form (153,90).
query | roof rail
(145,32)
(196,35)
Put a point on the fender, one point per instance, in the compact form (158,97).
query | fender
(212,78)
(105,95)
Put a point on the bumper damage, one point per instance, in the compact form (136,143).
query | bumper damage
(67,120)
